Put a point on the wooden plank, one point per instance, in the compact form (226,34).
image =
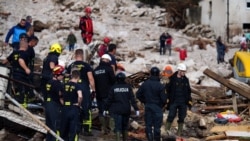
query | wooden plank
(231,128)
(237,133)
(223,107)
(219,101)
(226,83)
(216,137)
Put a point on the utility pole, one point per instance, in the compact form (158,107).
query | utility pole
(227,20)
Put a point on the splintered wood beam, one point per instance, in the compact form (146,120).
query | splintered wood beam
(223,107)
(227,83)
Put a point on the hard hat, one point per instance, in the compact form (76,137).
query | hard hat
(58,70)
(182,67)
(155,71)
(168,71)
(106,56)
(106,40)
(87,10)
(120,77)
(23,35)
(56,47)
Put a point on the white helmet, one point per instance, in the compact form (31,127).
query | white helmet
(182,67)
(106,56)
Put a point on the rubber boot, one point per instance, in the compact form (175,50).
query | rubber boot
(103,125)
(180,128)
(150,137)
(111,122)
(124,135)
(117,136)
(168,125)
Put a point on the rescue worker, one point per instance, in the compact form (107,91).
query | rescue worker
(112,52)
(33,41)
(104,79)
(167,72)
(19,60)
(86,26)
(179,97)
(118,103)
(15,32)
(86,82)
(152,94)
(103,48)
(49,63)
(72,99)
(53,101)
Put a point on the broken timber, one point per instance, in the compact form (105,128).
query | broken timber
(240,90)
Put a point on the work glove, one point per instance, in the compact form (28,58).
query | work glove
(137,113)
(190,104)
(105,113)
(93,94)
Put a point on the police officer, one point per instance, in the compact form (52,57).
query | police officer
(119,101)
(152,94)
(19,60)
(104,79)
(53,92)
(86,81)
(72,99)
(49,63)
(179,97)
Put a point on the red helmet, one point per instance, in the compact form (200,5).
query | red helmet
(106,40)
(87,10)
(58,70)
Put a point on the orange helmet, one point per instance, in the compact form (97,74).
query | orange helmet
(168,71)
(87,10)
(106,40)
(58,70)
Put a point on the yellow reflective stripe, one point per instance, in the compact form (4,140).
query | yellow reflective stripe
(67,103)
(48,99)
(58,134)
(76,138)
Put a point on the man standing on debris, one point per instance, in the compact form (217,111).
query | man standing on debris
(118,103)
(221,49)
(72,99)
(163,38)
(49,63)
(152,94)
(15,32)
(86,80)
(71,39)
(86,26)
(112,52)
(19,60)
(179,97)
(104,79)
(53,101)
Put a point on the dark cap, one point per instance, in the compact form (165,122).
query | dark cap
(23,35)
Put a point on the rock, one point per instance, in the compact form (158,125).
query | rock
(39,26)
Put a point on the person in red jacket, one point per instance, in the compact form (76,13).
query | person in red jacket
(86,26)
(169,43)
(103,48)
